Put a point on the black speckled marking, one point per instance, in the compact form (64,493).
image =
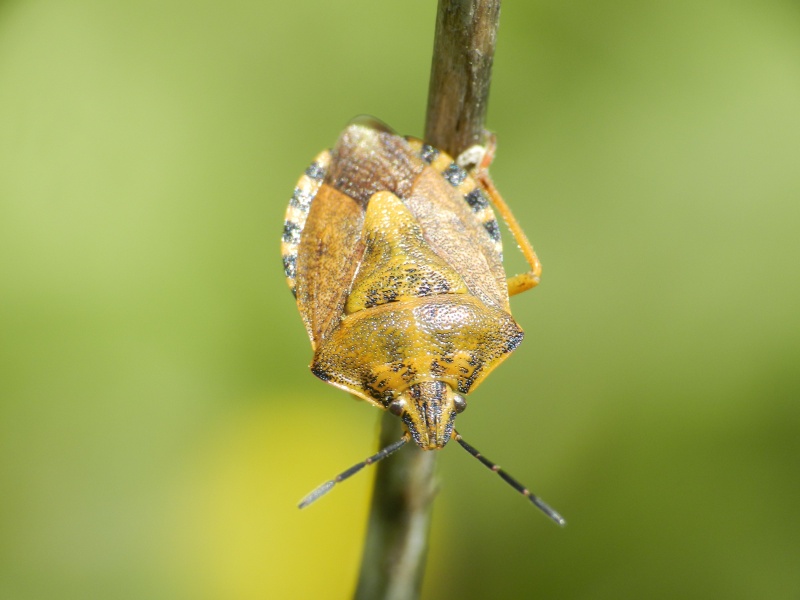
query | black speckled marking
(412,428)
(493,229)
(315,171)
(477,200)
(513,342)
(290,265)
(428,153)
(320,373)
(449,429)
(465,385)
(301,200)
(455,174)
(371,385)
(291,233)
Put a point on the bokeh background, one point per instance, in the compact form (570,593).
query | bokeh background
(158,422)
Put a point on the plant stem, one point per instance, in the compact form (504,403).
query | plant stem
(396,545)
(399,520)
(463,51)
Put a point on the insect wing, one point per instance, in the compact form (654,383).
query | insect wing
(454,233)
(328,256)
(366,159)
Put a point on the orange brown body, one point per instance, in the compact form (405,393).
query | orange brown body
(394,255)
(399,279)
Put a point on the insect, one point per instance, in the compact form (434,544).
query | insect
(394,255)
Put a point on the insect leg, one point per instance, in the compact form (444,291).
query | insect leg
(538,502)
(326,487)
(524,281)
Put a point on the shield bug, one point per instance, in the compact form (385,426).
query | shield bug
(393,253)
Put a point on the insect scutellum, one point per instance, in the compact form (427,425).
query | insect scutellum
(394,255)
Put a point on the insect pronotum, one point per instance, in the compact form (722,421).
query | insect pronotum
(393,253)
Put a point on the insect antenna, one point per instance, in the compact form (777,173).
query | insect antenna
(326,487)
(538,502)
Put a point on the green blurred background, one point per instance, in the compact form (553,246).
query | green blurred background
(157,419)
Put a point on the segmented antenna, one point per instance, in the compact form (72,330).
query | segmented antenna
(540,504)
(326,487)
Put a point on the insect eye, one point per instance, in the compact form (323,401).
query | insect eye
(397,407)
(460,403)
